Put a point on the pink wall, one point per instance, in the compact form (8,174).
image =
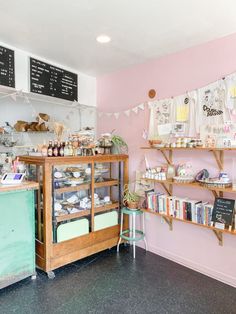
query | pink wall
(172,75)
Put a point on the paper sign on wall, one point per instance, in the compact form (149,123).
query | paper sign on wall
(164,129)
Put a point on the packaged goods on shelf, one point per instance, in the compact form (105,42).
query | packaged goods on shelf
(157,173)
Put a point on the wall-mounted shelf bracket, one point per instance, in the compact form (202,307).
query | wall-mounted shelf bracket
(169,221)
(167,158)
(167,189)
(219,236)
(215,193)
(219,157)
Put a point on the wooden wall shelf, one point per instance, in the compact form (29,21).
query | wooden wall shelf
(188,148)
(169,220)
(167,185)
(218,153)
(216,191)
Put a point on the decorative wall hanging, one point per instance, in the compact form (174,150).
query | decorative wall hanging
(230,82)
(160,114)
(152,93)
(212,103)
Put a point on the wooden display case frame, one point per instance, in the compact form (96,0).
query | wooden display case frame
(49,255)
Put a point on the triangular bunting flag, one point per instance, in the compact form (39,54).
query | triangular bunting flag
(26,99)
(135,109)
(116,115)
(20,92)
(141,106)
(100,114)
(127,112)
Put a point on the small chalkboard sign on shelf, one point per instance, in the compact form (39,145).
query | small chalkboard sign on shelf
(7,67)
(223,213)
(46,79)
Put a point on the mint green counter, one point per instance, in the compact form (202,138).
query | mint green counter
(17,236)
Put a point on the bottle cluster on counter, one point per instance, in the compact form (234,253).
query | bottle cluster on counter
(81,143)
(61,149)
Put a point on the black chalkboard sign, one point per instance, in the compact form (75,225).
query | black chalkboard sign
(52,81)
(7,67)
(223,211)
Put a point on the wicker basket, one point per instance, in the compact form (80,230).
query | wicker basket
(215,184)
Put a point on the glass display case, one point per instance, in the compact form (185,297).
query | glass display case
(78,206)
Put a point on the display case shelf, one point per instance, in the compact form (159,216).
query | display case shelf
(87,212)
(80,214)
(72,188)
(105,183)
(106,207)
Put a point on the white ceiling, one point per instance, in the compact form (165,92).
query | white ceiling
(64,31)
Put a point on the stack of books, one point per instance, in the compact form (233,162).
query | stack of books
(182,208)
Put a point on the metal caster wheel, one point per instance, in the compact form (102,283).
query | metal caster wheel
(51,274)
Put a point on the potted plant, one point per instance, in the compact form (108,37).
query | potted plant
(130,199)
(119,145)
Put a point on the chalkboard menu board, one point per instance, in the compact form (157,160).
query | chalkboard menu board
(223,211)
(52,81)
(7,67)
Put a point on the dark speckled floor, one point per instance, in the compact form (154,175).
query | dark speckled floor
(111,283)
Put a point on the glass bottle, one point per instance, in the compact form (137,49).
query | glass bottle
(70,149)
(61,153)
(58,148)
(44,150)
(66,149)
(55,149)
(50,149)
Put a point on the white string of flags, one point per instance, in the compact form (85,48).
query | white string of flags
(28,97)
(127,112)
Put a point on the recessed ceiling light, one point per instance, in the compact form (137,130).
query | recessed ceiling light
(103,39)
